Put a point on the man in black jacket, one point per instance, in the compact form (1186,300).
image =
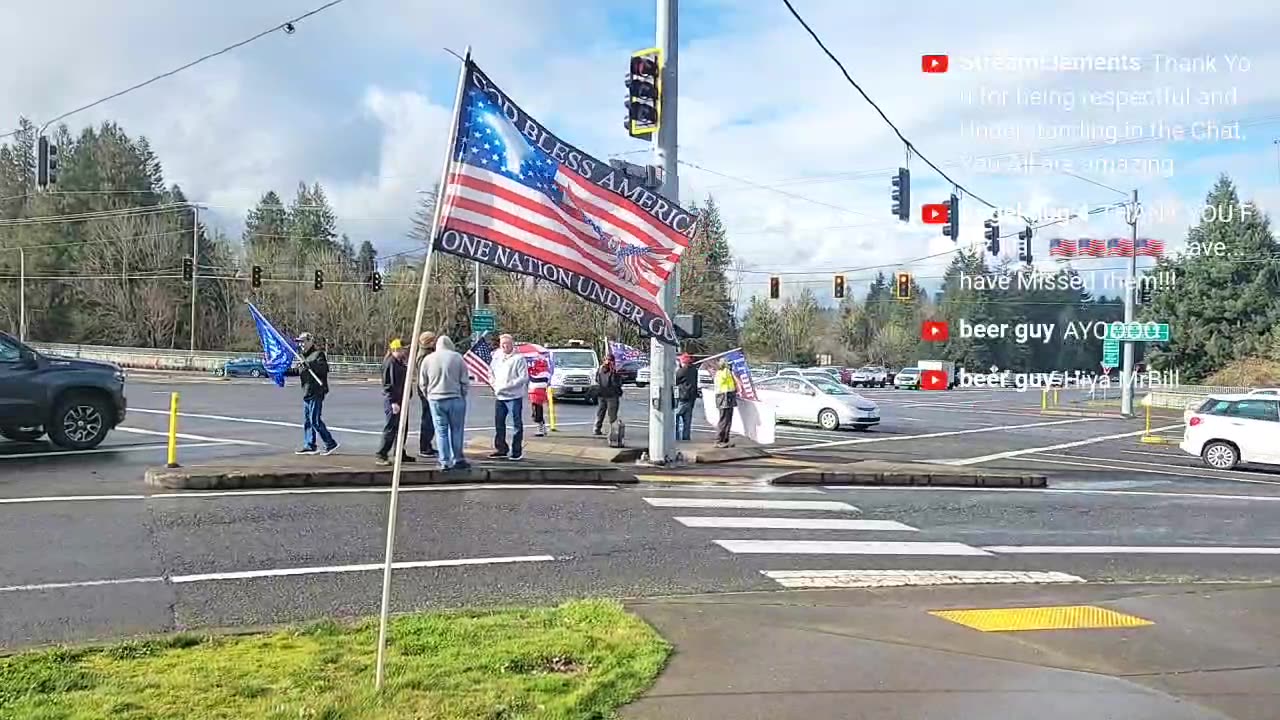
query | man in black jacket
(686,396)
(609,392)
(395,372)
(315,385)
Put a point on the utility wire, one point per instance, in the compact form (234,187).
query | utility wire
(193,63)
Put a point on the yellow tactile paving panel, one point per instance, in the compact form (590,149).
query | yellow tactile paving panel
(1065,617)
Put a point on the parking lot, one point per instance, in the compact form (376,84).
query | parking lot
(997,428)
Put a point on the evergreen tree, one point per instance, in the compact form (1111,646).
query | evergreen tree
(366,259)
(266,228)
(762,330)
(704,282)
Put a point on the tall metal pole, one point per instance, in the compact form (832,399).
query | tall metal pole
(1131,288)
(476,263)
(22,295)
(398,449)
(195,268)
(662,428)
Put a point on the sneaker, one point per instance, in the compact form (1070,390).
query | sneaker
(332,450)
(408,458)
(461,465)
(381,461)
(540,433)
(306,451)
(516,457)
(429,452)
(497,455)
(597,433)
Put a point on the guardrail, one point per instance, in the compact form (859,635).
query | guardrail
(187,361)
(1181,397)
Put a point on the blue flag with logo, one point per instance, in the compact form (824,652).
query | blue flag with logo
(738,366)
(277,352)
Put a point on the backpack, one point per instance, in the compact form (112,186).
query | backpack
(617,434)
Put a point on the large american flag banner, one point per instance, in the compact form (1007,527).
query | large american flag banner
(518,198)
(478,359)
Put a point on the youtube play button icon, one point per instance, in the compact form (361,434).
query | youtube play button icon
(934,331)
(935,213)
(933,380)
(934,63)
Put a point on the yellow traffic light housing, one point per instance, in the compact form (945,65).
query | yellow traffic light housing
(902,286)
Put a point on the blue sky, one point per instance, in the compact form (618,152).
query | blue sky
(358,99)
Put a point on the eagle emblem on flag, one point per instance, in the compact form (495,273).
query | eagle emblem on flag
(628,260)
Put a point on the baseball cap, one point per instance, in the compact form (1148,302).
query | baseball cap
(396,344)
(304,337)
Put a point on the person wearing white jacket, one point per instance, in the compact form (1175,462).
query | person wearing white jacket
(510,388)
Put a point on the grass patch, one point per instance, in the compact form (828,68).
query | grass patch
(579,660)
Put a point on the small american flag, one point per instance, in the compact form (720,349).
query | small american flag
(1097,247)
(1062,247)
(1150,247)
(1119,247)
(477,360)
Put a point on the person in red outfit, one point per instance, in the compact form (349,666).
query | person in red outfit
(539,382)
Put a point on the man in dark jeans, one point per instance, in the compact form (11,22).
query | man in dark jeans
(609,392)
(427,427)
(315,385)
(686,396)
(395,373)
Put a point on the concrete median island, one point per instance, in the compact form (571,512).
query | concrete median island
(885,473)
(595,449)
(294,471)
(582,659)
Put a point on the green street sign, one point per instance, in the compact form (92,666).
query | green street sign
(484,320)
(1138,332)
(1110,353)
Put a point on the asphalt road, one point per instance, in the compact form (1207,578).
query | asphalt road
(88,551)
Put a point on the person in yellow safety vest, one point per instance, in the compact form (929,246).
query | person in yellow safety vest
(726,400)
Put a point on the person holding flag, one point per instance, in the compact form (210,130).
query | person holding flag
(510,379)
(315,386)
(539,383)
(726,400)
(686,396)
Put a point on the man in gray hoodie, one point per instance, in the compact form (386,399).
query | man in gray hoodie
(445,387)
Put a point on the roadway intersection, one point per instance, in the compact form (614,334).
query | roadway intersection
(87,550)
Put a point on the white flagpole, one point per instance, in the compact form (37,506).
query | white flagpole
(393,508)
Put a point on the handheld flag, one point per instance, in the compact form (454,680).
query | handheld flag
(477,360)
(518,198)
(623,353)
(738,366)
(277,352)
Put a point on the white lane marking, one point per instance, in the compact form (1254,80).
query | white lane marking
(368,567)
(83,583)
(761,489)
(282,423)
(847,547)
(1059,446)
(110,449)
(1129,550)
(739,504)
(948,433)
(906,578)
(1151,470)
(1235,474)
(1170,455)
(770,523)
(835,489)
(303,491)
(186,436)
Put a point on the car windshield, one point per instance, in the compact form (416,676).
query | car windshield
(909,371)
(573,358)
(830,387)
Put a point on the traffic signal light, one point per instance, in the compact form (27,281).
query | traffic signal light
(902,286)
(644,93)
(484,296)
(991,231)
(1024,245)
(46,163)
(319,279)
(256,276)
(952,228)
(775,286)
(188,270)
(1144,293)
(839,289)
(902,195)
(375,281)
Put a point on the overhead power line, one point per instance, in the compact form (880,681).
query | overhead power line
(155,78)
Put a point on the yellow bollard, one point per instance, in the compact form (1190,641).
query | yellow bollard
(551,409)
(1044,399)
(1055,398)
(173,430)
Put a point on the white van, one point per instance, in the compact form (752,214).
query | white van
(574,377)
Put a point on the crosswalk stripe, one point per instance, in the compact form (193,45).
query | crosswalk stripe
(770,523)
(842,547)
(905,578)
(757,489)
(741,504)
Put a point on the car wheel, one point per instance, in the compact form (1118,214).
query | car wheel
(828,419)
(219,371)
(640,384)
(22,434)
(1220,455)
(80,422)
(255,373)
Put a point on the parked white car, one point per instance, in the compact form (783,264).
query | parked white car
(1227,430)
(1274,392)
(907,378)
(869,377)
(817,399)
(642,376)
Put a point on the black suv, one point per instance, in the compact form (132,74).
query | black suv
(77,402)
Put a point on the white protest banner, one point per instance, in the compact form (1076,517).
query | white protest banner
(751,418)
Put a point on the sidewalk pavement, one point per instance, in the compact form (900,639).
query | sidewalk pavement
(1210,652)
(582,445)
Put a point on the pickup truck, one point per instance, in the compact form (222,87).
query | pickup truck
(75,402)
